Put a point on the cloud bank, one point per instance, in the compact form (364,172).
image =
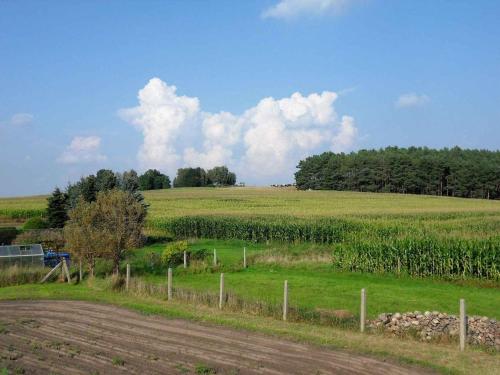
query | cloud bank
(265,141)
(82,150)
(289,9)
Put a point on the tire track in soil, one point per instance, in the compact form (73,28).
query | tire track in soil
(92,335)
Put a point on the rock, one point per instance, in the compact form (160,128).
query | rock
(481,330)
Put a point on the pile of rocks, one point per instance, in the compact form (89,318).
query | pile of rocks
(438,326)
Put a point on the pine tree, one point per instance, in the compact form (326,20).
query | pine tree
(57,209)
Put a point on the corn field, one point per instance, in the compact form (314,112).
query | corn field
(284,229)
(467,258)
(22,213)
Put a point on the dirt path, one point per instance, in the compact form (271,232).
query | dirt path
(71,337)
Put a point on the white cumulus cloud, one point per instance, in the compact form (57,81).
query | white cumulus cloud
(160,116)
(278,132)
(82,150)
(289,9)
(346,136)
(265,141)
(411,100)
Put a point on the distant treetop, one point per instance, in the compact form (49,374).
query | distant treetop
(197,177)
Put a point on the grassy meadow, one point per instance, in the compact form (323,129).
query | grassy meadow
(313,282)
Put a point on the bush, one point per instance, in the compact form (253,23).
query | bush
(7,235)
(173,254)
(35,223)
(103,267)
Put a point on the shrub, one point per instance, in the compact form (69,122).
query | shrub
(7,235)
(173,254)
(35,223)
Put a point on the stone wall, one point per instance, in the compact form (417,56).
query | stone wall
(431,326)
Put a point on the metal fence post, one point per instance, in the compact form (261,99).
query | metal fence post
(463,325)
(169,284)
(285,300)
(127,280)
(221,291)
(362,314)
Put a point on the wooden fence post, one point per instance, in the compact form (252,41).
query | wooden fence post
(244,257)
(463,325)
(215,257)
(221,291)
(81,272)
(127,280)
(185,260)
(66,270)
(362,317)
(169,284)
(285,300)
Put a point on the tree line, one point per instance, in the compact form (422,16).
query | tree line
(415,170)
(88,187)
(197,177)
(102,216)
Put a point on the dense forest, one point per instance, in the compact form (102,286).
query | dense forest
(415,170)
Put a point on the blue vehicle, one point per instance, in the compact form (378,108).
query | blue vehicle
(51,258)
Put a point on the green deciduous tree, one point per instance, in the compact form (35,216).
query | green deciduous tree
(105,228)
(221,176)
(191,177)
(153,179)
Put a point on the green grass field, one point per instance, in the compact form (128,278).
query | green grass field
(314,285)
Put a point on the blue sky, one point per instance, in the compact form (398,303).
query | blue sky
(259,85)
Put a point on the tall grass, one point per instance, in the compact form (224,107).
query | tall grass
(442,257)
(16,275)
(235,303)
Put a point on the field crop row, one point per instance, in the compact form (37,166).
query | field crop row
(423,257)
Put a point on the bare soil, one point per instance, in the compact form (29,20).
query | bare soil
(72,337)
